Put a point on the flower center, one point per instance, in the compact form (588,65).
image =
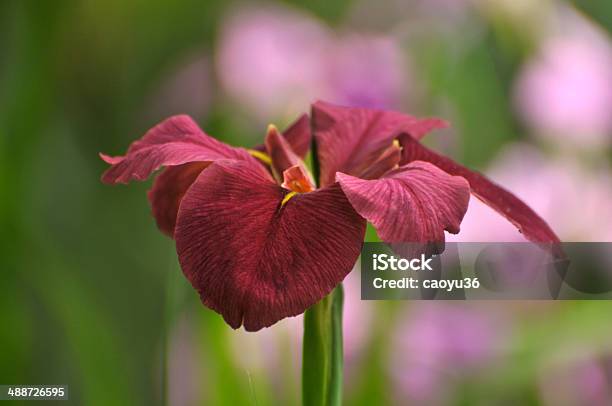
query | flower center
(297,180)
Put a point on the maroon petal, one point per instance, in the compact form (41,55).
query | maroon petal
(111,159)
(168,190)
(284,159)
(256,258)
(175,141)
(505,203)
(414,203)
(280,152)
(349,140)
(388,160)
(298,136)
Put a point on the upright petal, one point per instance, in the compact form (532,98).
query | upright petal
(285,159)
(414,203)
(505,203)
(256,260)
(175,141)
(389,159)
(280,152)
(298,136)
(349,139)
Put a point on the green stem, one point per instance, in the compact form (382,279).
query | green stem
(322,355)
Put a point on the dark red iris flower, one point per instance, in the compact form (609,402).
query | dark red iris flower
(257,239)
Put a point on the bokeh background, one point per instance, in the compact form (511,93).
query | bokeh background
(92,295)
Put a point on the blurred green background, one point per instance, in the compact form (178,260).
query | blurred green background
(92,294)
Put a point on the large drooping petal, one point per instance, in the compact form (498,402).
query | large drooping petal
(533,227)
(349,140)
(175,141)
(168,190)
(254,256)
(298,135)
(414,203)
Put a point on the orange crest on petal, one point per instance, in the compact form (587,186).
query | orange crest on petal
(297,180)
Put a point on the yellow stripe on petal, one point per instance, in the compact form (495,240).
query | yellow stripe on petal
(287,197)
(262,156)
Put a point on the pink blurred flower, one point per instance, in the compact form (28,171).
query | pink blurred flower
(270,60)
(186,89)
(185,375)
(437,343)
(585,382)
(565,91)
(366,71)
(276,61)
(572,199)
(357,319)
